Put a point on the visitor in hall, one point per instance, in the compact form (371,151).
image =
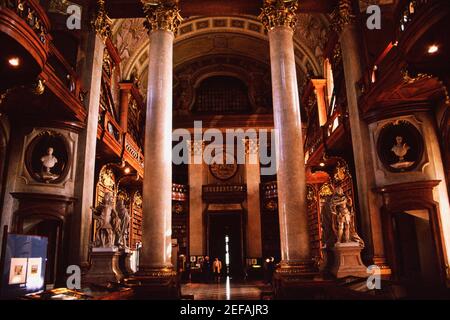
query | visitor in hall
(217,269)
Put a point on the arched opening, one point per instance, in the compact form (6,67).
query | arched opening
(222,95)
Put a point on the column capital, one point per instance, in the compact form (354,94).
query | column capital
(319,83)
(342,16)
(279,13)
(161,15)
(102,23)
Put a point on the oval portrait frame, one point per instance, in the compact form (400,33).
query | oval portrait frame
(36,148)
(387,140)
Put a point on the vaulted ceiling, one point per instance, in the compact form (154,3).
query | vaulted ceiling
(241,35)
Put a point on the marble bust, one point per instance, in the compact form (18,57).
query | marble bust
(400,149)
(48,162)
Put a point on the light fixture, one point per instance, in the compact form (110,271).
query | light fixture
(14,62)
(127,170)
(322,164)
(433,49)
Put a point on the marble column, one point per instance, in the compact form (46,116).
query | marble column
(253,179)
(345,25)
(162,20)
(319,88)
(91,62)
(196,180)
(279,18)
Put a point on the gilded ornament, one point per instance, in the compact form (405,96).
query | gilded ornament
(277,13)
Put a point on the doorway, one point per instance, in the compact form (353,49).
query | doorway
(52,230)
(225,241)
(418,265)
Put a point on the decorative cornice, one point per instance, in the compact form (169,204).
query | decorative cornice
(277,13)
(163,15)
(342,16)
(102,23)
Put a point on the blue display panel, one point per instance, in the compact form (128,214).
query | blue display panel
(24,265)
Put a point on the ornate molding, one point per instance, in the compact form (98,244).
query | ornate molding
(102,23)
(277,13)
(342,16)
(161,16)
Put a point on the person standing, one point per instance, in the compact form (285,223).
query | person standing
(217,269)
(206,269)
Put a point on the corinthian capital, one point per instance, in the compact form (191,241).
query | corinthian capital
(279,13)
(162,15)
(343,15)
(102,23)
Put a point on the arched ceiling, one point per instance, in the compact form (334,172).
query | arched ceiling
(236,35)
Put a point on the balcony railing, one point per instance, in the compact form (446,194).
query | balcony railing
(27,23)
(32,14)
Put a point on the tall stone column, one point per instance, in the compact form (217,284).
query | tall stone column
(155,269)
(91,62)
(345,25)
(279,18)
(252,175)
(196,174)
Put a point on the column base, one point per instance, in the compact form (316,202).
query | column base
(154,284)
(125,263)
(347,261)
(104,267)
(296,280)
(385,269)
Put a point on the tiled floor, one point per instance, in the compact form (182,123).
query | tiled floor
(226,290)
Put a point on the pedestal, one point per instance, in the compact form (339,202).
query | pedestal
(154,284)
(347,260)
(125,262)
(105,266)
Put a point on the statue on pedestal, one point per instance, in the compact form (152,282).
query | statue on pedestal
(343,217)
(400,149)
(348,245)
(48,162)
(108,222)
(122,232)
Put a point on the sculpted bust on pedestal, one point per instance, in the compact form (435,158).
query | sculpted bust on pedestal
(48,162)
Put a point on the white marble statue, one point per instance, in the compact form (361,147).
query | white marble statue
(122,232)
(48,162)
(107,223)
(400,149)
(343,217)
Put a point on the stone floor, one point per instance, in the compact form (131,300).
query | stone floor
(225,290)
